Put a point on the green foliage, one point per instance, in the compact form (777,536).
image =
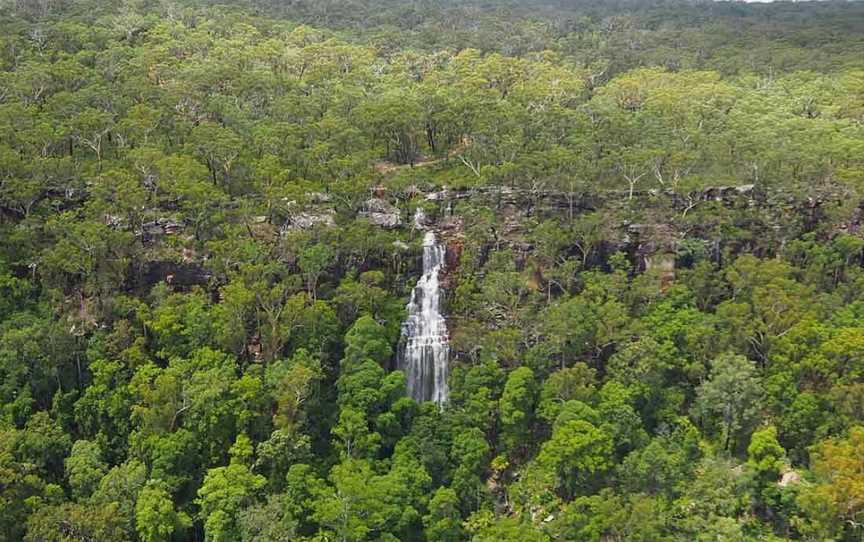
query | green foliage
(44,444)
(84,468)
(120,488)
(225,491)
(155,516)
(269,521)
(575,454)
(13,292)
(517,408)
(313,261)
(651,217)
(834,502)
(444,522)
(54,523)
(765,455)
(729,399)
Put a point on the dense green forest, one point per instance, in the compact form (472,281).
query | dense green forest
(654,282)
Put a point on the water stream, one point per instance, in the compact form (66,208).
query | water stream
(425,345)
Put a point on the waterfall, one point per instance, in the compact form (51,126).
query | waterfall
(425,348)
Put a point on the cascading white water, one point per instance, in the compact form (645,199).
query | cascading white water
(425,349)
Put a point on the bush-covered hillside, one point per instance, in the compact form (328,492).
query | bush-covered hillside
(652,215)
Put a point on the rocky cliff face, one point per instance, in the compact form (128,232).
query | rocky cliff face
(655,229)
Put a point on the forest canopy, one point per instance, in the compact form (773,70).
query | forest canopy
(650,217)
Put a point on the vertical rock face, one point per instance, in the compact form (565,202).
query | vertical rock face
(425,349)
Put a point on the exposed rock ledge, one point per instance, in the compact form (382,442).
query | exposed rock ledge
(381,213)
